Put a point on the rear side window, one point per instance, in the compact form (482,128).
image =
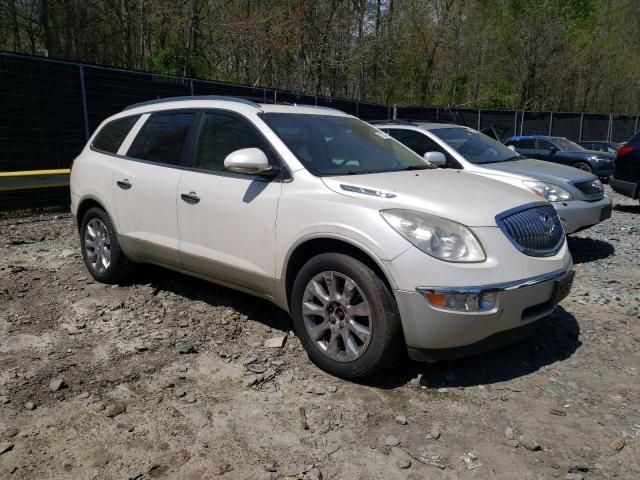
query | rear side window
(111,136)
(221,135)
(162,138)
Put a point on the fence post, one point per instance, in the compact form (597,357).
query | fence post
(479,116)
(85,113)
(610,129)
(581,125)
(275,96)
(357,109)
(635,129)
(191,86)
(521,122)
(395,111)
(515,122)
(550,123)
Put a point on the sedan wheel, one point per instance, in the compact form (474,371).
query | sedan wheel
(583,166)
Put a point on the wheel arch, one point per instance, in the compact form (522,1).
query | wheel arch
(310,247)
(85,205)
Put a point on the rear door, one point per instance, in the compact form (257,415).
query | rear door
(227,221)
(146,185)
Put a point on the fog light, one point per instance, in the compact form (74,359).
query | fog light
(462,302)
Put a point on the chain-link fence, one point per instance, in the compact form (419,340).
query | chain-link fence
(48,109)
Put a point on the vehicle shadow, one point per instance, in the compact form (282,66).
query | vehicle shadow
(627,208)
(584,249)
(263,311)
(555,339)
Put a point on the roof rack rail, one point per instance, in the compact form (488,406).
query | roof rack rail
(195,97)
(397,121)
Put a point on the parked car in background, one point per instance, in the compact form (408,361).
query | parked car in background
(601,146)
(563,151)
(577,195)
(369,247)
(626,177)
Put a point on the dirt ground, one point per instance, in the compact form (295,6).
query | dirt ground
(167,377)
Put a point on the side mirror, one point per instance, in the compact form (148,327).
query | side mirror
(251,161)
(437,159)
(512,148)
(553,150)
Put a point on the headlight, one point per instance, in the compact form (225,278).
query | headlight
(436,236)
(549,191)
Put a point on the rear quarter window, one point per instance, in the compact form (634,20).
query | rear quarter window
(111,136)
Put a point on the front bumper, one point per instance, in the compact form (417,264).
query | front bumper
(578,214)
(433,333)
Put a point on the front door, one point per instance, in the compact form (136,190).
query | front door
(146,185)
(227,221)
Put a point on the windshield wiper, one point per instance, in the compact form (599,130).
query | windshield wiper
(420,167)
(508,159)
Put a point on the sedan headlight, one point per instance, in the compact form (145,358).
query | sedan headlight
(549,191)
(436,236)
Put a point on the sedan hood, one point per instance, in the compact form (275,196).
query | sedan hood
(472,200)
(541,170)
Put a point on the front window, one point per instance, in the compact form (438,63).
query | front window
(332,145)
(566,144)
(474,146)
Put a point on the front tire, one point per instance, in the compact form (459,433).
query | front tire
(345,316)
(583,166)
(101,249)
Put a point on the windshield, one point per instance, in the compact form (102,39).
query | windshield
(474,146)
(566,144)
(331,145)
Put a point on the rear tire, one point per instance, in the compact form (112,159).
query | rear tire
(345,316)
(101,249)
(583,166)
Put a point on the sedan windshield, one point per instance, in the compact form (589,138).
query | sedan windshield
(332,145)
(566,144)
(474,146)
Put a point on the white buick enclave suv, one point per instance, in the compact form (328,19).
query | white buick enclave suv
(368,246)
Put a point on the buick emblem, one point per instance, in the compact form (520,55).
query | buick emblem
(549,225)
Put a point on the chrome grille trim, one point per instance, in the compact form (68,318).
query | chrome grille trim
(534,229)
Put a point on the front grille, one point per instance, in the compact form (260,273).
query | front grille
(534,230)
(591,188)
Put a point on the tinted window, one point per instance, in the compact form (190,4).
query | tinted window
(111,136)
(221,135)
(416,141)
(526,144)
(162,138)
(566,144)
(474,146)
(336,145)
(545,145)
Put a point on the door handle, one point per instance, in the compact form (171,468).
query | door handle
(191,197)
(124,184)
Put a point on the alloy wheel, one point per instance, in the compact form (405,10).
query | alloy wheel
(97,245)
(337,316)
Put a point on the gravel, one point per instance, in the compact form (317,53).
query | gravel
(572,389)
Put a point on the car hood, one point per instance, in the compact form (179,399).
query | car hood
(541,170)
(472,200)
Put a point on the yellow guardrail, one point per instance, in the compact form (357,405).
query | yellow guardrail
(31,179)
